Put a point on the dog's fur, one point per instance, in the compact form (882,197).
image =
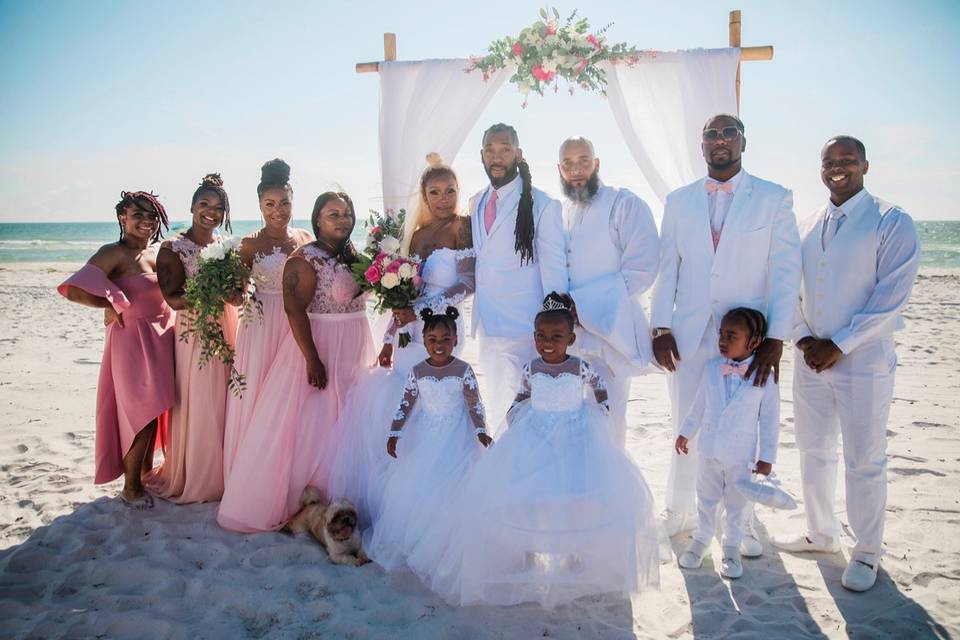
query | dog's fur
(333,524)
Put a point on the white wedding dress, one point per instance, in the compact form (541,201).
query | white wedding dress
(356,465)
(554,511)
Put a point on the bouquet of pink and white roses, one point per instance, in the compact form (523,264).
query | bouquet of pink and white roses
(393,279)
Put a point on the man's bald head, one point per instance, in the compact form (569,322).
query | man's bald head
(579,169)
(578,145)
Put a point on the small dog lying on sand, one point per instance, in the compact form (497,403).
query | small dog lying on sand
(334,525)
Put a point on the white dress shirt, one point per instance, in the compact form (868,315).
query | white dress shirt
(505,196)
(840,213)
(719,201)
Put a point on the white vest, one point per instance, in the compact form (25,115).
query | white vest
(838,282)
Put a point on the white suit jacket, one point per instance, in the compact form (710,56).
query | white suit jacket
(756,264)
(509,295)
(739,431)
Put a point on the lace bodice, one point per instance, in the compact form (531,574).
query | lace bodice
(336,290)
(560,387)
(440,391)
(268,271)
(189,253)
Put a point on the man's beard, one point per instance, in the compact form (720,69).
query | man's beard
(584,194)
(508,175)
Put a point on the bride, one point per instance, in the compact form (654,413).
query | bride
(442,239)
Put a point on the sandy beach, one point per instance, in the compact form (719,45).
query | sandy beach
(75,563)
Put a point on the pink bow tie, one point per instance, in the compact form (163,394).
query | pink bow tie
(729,369)
(713,187)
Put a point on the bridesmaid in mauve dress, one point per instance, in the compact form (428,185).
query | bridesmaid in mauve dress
(316,365)
(136,385)
(259,336)
(193,468)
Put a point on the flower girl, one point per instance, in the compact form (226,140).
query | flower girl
(556,510)
(445,432)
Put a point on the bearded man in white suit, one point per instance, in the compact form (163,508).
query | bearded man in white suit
(727,240)
(860,260)
(521,257)
(612,257)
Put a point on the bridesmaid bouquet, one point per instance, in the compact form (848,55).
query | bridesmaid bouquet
(222,276)
(392,279)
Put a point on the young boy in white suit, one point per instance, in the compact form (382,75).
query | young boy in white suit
(738,425)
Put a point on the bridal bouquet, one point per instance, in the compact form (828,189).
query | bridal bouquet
(392,279)
(222,276)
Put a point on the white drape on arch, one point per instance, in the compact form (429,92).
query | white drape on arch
(426,106)
(661,104)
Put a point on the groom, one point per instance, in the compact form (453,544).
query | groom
(518,237)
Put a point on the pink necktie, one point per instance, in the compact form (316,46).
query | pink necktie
(730,369)
(713,186)
(490,211)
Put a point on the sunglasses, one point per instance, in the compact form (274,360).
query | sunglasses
(727,133)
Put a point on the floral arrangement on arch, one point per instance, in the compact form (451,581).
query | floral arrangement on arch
(547,50)
(393,280)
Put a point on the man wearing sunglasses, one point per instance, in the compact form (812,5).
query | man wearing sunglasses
(727,240)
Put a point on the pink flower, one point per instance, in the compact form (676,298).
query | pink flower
(540,74)
(394,266)
(551,29)
(581,66)
(372,275)
(417,281)
(592,39)
(375,231)
(517,48)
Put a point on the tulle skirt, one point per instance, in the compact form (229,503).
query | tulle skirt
(291,425)
(555,511)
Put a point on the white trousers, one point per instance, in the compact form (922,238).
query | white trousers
(682,386)
(618,392)
(501,363)
(851,399)
(716,489)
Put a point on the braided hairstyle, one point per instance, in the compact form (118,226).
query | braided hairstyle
(213,183)
(274,174)
(524,230)
(753,320)
(557,306)
(346,254)
(448,319)
(145,200)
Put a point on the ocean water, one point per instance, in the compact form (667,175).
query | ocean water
(76,241)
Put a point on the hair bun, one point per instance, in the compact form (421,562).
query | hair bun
(275,172)
(434,159)
(452,312)
(212,180)
(426,313)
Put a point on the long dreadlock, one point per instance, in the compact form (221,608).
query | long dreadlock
(524,230)
(213,183)
(147,201)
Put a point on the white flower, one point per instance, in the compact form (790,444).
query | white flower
(213,251)
(523,87)
(389,244)
(231,243)
(406,271)
(389,280)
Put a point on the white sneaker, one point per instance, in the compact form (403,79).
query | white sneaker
(860,576)
(674,522)
(805,542)
(692,558)
(730,566)
(750,546)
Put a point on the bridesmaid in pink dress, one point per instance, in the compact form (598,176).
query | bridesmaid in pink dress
(193,468)
(258,337)
(136,386)
(317,363)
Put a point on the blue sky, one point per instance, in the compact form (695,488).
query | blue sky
(100,96)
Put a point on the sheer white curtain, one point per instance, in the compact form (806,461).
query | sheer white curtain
(426,106)
(661,104)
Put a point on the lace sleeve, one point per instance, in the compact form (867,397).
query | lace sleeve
(410,393)
(524,393)
(459,290)
(471,395)
(390,335)
(593,380)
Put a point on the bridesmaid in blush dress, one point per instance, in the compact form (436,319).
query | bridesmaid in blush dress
(259,336)
(317,363)
(136,385)
(193,468)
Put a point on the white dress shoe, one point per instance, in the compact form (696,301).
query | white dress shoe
(692,557)
(860,576)
(674,522)
(731,566)
(805,542)
(750,546)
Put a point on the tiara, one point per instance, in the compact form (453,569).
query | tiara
(551,304)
